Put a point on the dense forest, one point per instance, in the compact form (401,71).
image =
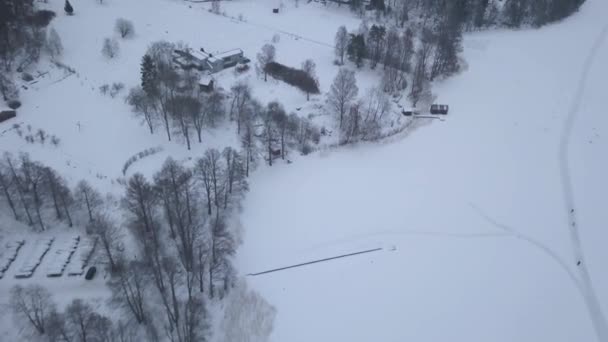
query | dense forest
(473,14)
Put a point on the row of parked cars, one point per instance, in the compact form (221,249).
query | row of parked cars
(34,258)
(61,256)
(9,254)
(436,109)
(70,255)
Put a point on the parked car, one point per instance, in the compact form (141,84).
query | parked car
(439,109)
(90,273)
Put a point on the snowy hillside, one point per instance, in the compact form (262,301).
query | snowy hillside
(462,227)
(453,275)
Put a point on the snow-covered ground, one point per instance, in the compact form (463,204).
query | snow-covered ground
(98,133)
(445,272)
(453,276)
(64,288)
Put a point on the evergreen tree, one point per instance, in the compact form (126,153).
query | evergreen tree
(448,43)
(514,12)
(356,49)
(376,43)
(479,13)
(68,8)
(355,5)
(378,5)
(149,76)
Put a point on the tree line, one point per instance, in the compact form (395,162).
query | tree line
(34,307)
(181,223)
(23,38)
(37,195)
(419,54)
(472,14)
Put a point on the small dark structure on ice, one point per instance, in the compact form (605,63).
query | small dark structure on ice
(275,10)
(410,111)
(439,109)
(7,114)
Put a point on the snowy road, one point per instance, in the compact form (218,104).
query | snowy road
(458,273)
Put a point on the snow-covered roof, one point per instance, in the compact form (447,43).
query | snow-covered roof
(228,53)
(208,56)
(205,80)
(199,54)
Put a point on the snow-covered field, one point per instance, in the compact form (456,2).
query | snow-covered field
(453,275)
(445,272)
(98,133)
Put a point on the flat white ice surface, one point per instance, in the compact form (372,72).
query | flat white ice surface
(452,277)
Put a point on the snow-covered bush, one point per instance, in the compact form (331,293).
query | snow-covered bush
(53,45)
(248,317)
(42,18)
(110,48)
(14,104)
(27,77)
(124,27)
(215,7)
(117,87)
(140,155)
(104,89)
(8,88)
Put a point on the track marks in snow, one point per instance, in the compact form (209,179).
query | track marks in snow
(598,318)
(388,234)
(512,232)
(566,178)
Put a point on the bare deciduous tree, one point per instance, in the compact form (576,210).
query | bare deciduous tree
(247,317)
(143,106)
(33,176)
(130,290)
(341,43)
(181,108)
(215,7)
(20,186)
(53,46)
(110,237)
(91,198)
(248,138)
(33,304)
(343,91)
(110,48)
(241,95)
(265,56)
(310,68)
(81,320)
(209,172)
(6,185)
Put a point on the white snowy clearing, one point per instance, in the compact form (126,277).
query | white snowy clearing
(453,275)
(445,273)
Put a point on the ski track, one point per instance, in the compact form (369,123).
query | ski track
(588,292)
(388,233)
(512,232)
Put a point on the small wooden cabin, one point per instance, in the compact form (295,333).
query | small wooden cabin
(205,83)
(439,109)
(410,111)
(7,114)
